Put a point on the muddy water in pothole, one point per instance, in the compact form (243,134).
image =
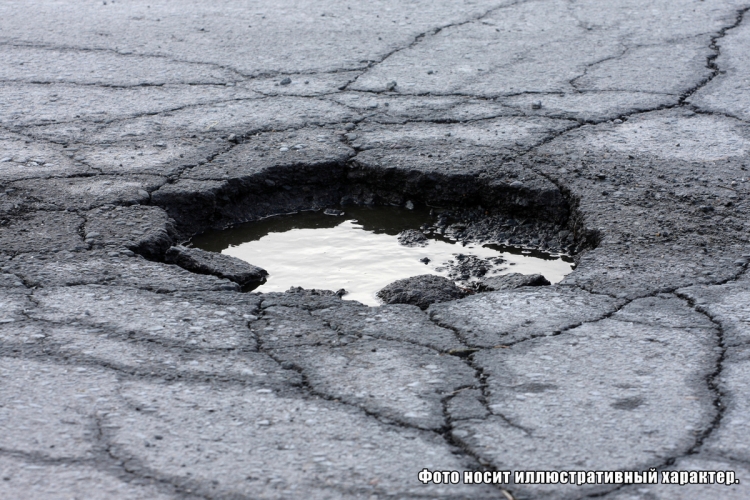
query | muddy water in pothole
(360,252)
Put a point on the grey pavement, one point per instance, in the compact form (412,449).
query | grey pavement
(128,126)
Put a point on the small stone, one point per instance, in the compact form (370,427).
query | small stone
(285,81)
(536,105)
(351,137)
(390,86)
(334,212)
(7,158)
(409,205)
(283,149)
(516,184)
(349,126)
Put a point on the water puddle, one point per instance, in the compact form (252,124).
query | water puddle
(360,252)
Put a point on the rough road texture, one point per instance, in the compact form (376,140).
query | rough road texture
(128,126)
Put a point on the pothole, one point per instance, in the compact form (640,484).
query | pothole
(364,249)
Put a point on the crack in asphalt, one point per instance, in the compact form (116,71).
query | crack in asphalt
(102,124)
(114,85)
(711,59)
(444,431)
(711,381)
(309,386)
(481,464)
(70,48)
(572,82)
(425,34)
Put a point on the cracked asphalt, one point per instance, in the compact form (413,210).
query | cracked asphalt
(127,126)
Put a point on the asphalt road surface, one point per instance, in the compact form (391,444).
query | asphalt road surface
(127,126)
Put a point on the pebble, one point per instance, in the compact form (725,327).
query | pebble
(390,86)
(285,81)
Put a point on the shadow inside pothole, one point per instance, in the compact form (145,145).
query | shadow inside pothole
(362,249)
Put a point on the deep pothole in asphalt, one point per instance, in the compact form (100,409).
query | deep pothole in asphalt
(362,249)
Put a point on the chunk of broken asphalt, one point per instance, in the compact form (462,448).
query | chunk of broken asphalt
(513,280)
(421,291)
(223,266)
(412,238)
